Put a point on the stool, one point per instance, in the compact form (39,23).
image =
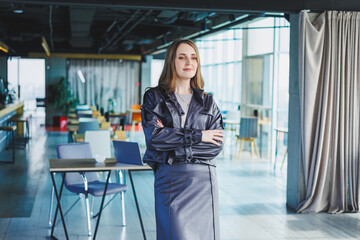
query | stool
(11,129)
(21,118)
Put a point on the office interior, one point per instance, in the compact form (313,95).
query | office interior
(100,57)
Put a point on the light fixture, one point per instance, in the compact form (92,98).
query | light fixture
(4,47)
(45,46)
(18,11)
(81,76)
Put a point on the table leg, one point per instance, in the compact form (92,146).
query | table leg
(58,205)
(137,204)
(102,203)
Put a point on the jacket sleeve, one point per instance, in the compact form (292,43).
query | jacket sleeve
(205,150)
(166,138)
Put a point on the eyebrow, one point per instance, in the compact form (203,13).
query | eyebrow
(185,54)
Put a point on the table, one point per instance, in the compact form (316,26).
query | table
(88,165)
(285,131)
(234,124)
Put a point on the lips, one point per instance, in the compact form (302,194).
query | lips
(187,69)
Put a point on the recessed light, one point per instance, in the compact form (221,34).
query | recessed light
(18,11)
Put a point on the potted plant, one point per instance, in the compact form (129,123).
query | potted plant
(62,99)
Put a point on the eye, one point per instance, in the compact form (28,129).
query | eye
(194,58)
(181,58)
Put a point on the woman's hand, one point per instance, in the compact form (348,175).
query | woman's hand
(159,123)
(212,136)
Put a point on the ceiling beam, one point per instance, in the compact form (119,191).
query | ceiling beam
(87,56)
(118,32)
(162,47)
(119,38)
(288,6)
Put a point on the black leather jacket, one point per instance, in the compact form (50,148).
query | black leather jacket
(173,143)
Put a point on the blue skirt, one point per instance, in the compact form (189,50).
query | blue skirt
(186,202)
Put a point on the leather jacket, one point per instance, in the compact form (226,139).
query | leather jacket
(172,144)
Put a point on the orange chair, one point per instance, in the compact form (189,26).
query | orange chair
(135,116)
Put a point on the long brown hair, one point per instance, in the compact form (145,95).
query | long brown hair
(167,80)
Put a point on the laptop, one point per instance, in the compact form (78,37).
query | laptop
(127,152)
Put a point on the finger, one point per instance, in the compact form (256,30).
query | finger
(217,132)
(218,139)
(219,135)
(159,123)
(214,142)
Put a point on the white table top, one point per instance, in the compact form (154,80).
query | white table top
(284,130)
(229,121)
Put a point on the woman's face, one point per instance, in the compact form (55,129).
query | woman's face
(185,62)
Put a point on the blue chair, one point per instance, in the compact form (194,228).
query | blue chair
(248,132)
(86,182)
(88,124)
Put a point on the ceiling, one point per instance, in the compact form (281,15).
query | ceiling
(105,29)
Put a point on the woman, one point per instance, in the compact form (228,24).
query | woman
(184,133)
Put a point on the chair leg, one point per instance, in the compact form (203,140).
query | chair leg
(123,208)
(236,147)
(257,151)
(7,141)
(241,148)
(13,145)
(122,195)
(92,207)
(88,213)
(86,188)
(252,147)
(51,206)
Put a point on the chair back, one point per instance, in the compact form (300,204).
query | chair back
(84,113)
(136,116)
(100,142)
(76,151)
(90,124)
(248,127)
(82,107)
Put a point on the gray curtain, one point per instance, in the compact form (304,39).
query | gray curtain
(105,79)
(329,92)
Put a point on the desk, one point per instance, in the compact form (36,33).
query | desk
(88,165)
(118,119)
(285,131)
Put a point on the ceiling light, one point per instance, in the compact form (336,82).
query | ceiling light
(4,47)
(45,46)
(81,76)
(18,11)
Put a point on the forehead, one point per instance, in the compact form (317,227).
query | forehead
(184,48)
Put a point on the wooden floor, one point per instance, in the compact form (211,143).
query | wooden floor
(252,201)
